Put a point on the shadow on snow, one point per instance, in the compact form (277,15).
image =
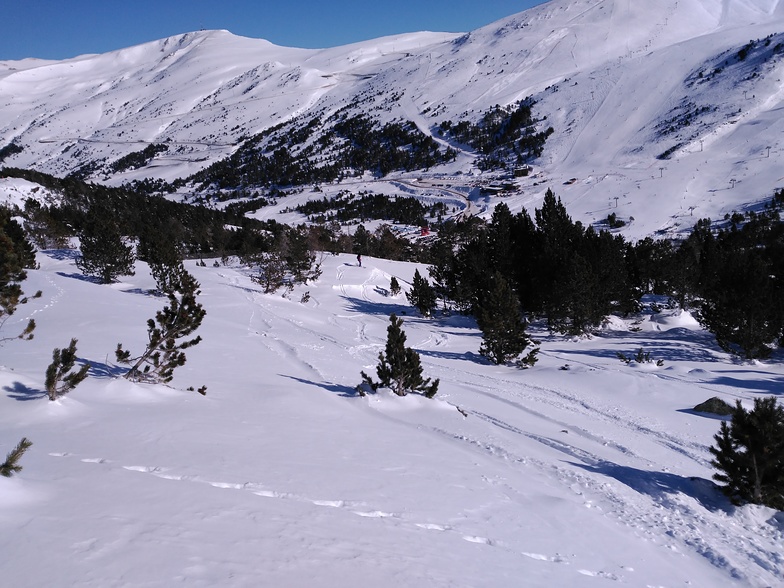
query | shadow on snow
(22,393)
(662,485)
(344,391)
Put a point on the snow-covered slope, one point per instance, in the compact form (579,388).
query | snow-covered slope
(582,471)
(579,472)
(622,83)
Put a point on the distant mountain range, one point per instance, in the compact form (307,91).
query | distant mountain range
(659,111)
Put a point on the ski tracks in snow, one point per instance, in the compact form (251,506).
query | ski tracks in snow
(668,510)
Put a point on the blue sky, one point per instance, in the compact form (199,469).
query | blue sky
(58,29)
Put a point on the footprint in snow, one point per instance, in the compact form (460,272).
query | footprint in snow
(539,557)
(273,494)
(376,514)
(331,503)
(227,485)
(606,575)
(474,539)
(432,527)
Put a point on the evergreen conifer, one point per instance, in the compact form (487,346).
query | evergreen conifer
(749,454)
(166,348)
(59,378)
(394,286)
(422,295)
(501,322)
(16,254)
(11,464)
(103,251)
(399,367)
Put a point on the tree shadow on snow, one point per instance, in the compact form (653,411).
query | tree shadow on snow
(466,356)
(344,391)
(661,486)
(106,370)
(248,289)
(144,292)
(61,254)
(771,387)
(665,351)
(378,308)
(22,393)
(81,277)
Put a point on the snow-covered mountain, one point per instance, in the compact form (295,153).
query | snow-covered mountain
(622,83)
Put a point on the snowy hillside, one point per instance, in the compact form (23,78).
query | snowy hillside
(582,471)
(622,84)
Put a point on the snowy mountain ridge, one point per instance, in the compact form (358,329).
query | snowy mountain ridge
(608,75)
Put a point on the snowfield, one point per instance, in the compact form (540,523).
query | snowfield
(581,471)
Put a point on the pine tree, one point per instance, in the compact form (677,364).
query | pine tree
(159,248)
(103,251)
(166,349)
(500,237)
(16,254)
(59,378)
(422,295)
(11,465)
(361,241)
(749,454)
(741,306)
(399,367)
(501,322)
(394,286)
(271,270)
(44,229)
(300,260)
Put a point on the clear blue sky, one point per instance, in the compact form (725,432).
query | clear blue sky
(58,29)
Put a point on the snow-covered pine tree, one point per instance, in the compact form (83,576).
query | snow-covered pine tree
(166,348)
(59,378)
(749,454)
(399,367)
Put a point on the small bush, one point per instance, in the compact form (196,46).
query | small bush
(641,356)
(59,378)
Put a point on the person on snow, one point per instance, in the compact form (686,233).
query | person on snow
(359,260)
